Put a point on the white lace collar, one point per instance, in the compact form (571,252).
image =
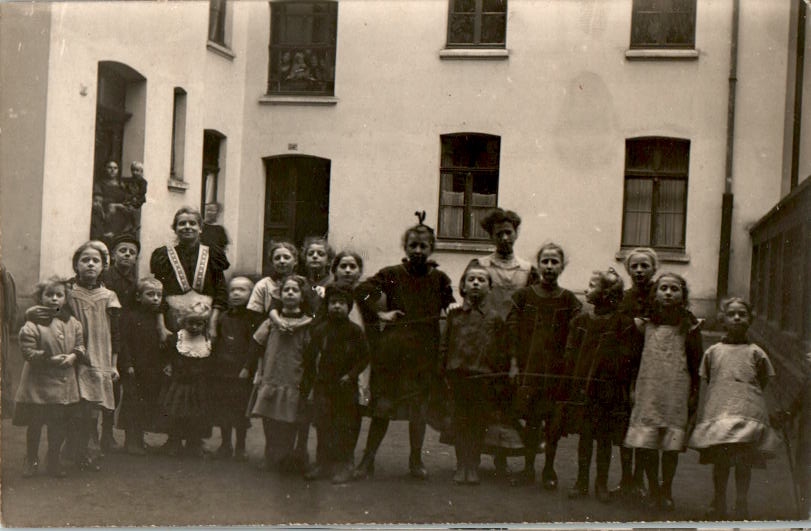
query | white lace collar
(193,347)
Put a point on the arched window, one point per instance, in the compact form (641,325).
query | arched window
(655,203)
(468,184)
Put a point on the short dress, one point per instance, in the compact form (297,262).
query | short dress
(733,421)
(278,393)
(185,400)
(48,392)
(659,417)
(90,306)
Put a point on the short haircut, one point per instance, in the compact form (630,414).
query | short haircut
(334,291)
(50,282)
(240,277)
(275,246)
(316,240)
(499,215)
(611,286)
(344,254)
(92,244)
(187,210)
(642,251)
(551,246)
(136,164)
(149,282)
(473,264)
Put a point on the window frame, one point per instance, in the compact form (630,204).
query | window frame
(217,25)
(656,176)
(272,47)
(478,12)
(468,198)
(635,10)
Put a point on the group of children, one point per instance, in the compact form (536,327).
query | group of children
(292,349)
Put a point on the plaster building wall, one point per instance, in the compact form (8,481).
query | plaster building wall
(24,50)
(166,44)
(563,103)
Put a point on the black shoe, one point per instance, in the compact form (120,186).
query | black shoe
(578,490)
(30,467)
(549,480)
(316,472)
(365,469)
(417,470)
(344,475)
(88,464)
(741,511)
(223,452)
(459,475)
(666,504)
(602,493)
(621,491)
(523,478)
(472,475)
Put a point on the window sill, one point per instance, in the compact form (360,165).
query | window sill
(672,257)
(221,50)
(177,186)
(474,53)
(664,54)
(297,100)
(482,247)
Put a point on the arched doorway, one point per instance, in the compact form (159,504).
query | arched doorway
(296,200)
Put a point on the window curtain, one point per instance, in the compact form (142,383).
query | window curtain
(451,209)
(481,204)
(670,213)
(638,198)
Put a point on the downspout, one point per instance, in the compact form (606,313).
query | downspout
(726,203)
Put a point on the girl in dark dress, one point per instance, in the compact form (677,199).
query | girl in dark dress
(599,351)
(538,326)
(405,354)
(185,398)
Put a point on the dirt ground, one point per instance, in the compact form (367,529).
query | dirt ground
(158,490)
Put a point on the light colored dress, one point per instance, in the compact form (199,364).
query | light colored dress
(90,306)
(278,394)
(734,409)
(659,416)
(262,296)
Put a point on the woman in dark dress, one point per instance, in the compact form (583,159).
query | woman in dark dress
(190,272)
(405,354)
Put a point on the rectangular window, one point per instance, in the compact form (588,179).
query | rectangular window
(655,203)
(178,134)
(468,184)
(477,23)
(302,48)
(216,21)
(213,148)
(663,24)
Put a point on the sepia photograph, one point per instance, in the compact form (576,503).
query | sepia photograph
(454,263)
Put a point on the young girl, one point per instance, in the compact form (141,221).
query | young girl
(317,256)
(599,350)
(641,265)
(97,308)
(471,346)
(405,363)
(185,398)
(336,355)
(732,429)
(230,383)
(48,393)
(666,388)
(277,399)
(538,326)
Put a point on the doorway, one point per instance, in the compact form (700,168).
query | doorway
(296,200)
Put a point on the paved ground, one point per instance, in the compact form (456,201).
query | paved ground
(157,490)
